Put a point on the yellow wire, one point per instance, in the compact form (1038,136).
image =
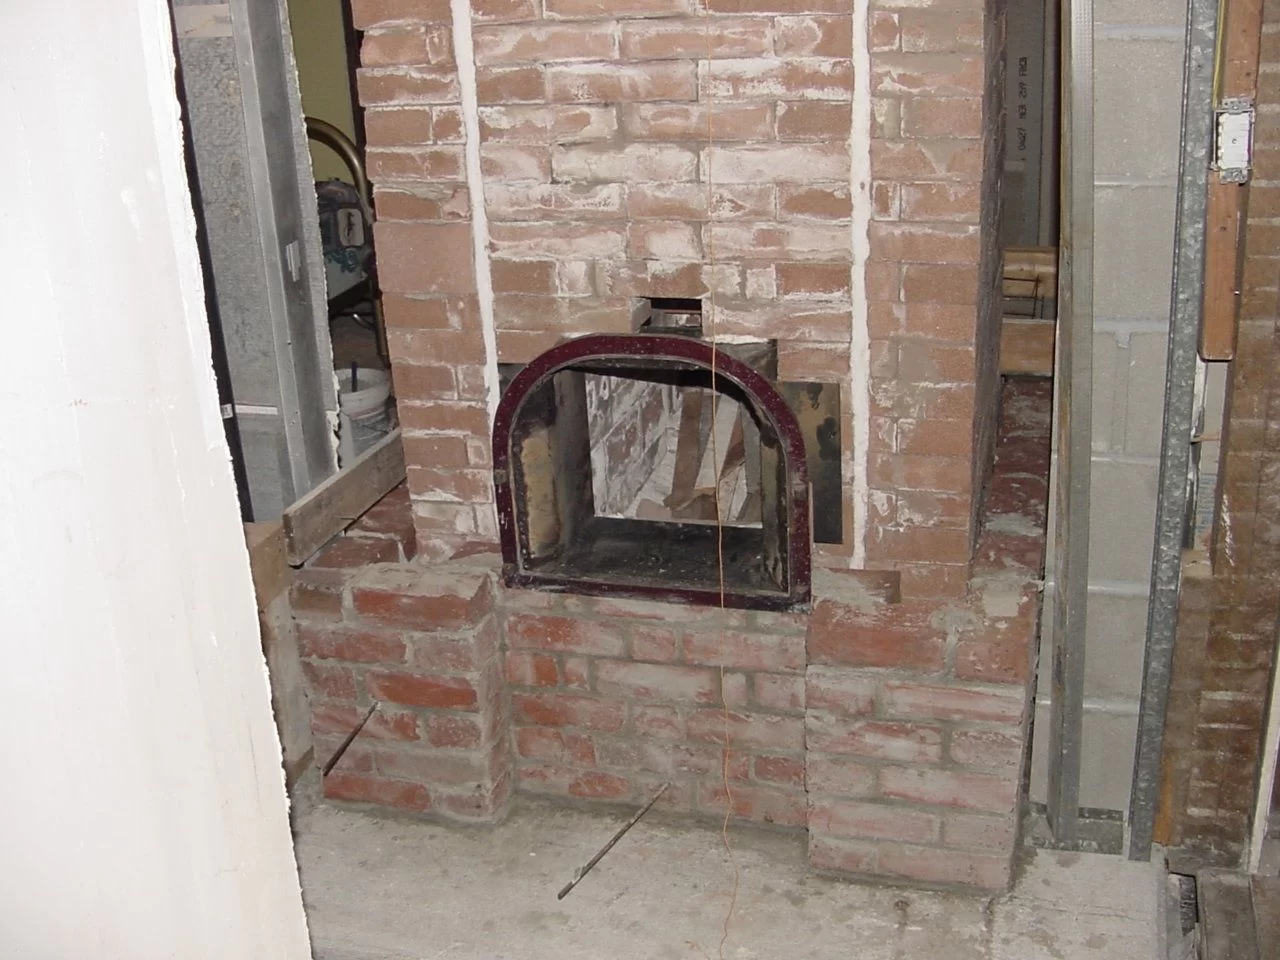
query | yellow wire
(715,460)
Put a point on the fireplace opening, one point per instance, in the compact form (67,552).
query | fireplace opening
(623,467)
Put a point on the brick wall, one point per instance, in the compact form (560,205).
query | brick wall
(937,153)
(603,182)
(895,731)
(1226,646)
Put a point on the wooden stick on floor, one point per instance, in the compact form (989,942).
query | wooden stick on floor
(584,870)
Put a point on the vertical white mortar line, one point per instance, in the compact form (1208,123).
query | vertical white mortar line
(464,54)
(859,334)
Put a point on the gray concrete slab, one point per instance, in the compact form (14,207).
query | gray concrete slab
(378,889)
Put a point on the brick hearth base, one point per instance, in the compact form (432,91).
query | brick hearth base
(896,733)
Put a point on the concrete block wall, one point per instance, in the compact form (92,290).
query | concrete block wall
(1138,82)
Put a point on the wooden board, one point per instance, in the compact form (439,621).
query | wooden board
(1224,236)
(268,548)
(338,502)
(1026,347)
(1222,265)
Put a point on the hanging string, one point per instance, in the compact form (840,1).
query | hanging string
(709,283)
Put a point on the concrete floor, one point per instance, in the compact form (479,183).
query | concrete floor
(377,889)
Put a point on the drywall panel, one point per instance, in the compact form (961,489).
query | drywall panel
(145,814)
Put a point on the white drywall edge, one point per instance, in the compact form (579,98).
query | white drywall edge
(146,815)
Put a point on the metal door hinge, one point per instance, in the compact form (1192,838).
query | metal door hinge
(1233,139)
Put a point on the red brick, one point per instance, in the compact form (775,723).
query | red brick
(687,121)
(340,718)
(949,788)
(778,6)
(817,202)
(942,117)
(654,644)
(664,240)
(924,243)
(371,13)
(559,710)
(953,159)
(519,84)
(526,669)
(779,692)
(952,475)
(420,600)
(515,161)
(357,758)
(425,257)
(540,743)
(407,85)
(885,33)
(987,749)
(563,634)
(845,856)
(427,201)
(814,37)
(968,704)
(503,11)
(813,120)
(600,786)
(672,39)
(788,771)
(446,452)
(946,544)
(652,720)
(594,9)
(814,280)
(755,804)
(872,821)
(759,78)
(349,643)
(358,788)
(651,681)
(875,739)
(398,127)
(839,691)
(783,241)
(747,730)
(403,46)
(434,654)
(621,83)
(940,283)
(840,775)
(931,865)
(423,690)
(899,635)
(329,680)
(543,42)
(745,651)
(452,731)
(433,766)
(943,75)
(548,124)
(317,594)
(940,31)
(958,202)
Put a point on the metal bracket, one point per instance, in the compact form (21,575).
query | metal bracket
(1233,139)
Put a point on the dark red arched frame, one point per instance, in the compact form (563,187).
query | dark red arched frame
(680,353)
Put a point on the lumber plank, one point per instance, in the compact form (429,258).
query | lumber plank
(1026,346)
(340,500)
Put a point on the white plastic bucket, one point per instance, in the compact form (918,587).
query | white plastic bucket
(363,415)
